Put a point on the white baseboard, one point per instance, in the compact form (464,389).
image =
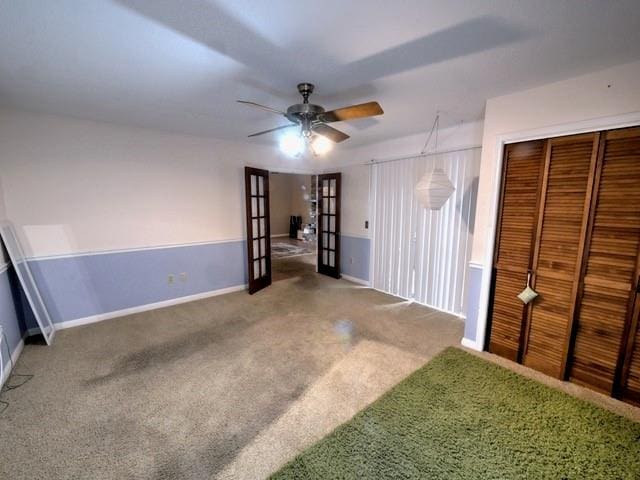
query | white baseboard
(472,344)
(142,308)
(14,358)
(355,280)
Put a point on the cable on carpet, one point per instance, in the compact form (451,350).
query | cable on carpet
(8,385)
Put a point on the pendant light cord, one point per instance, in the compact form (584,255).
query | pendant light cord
(434,128)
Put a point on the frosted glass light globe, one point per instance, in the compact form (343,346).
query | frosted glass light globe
(292,144)
(321,145)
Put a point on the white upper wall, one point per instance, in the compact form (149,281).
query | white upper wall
(461,135)
(81,186)
(355,167)
(279,203)
(607,93)
(355,200)
(286,198)
(298,205)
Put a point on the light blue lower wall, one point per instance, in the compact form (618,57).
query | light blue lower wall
(86,285)
(13,327)
(354,256)
(82,286)
(474,283)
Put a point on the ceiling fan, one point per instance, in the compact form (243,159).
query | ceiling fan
(312,119)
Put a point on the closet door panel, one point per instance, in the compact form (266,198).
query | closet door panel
(558,256)
(522,174)
(507,314)
(631,388)
(611,265)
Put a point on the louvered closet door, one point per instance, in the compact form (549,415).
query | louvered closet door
(562,221)
(611,267)
(522,175)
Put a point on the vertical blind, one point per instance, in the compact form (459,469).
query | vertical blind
(417,253)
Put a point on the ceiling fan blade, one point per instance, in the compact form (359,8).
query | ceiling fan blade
(261,107)
(331,133)
(272,130)
(370,109)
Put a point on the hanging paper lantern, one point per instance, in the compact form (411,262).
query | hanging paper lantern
(434,189)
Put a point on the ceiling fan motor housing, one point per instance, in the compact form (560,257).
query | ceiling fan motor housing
(304,113)
(301,112)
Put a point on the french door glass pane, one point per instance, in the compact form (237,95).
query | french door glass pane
(256,269)
(263,263)
(325,205)
(261,203)
(260,185)
(325,259)
(332,224)
(325,239)
(253,185)
(332,241)
(325,188)
(254,207)
(255,232)
(332,206)
(256,249)
(325,223)
(263,248)
(332,188)
(332,259)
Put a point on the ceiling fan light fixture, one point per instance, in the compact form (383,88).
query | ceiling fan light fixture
(313,119)
(292,144)
(321,145)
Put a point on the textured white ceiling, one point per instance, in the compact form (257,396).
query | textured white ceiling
(179,65)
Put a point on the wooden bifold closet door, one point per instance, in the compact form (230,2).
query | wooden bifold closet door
(584,259)
(522,174)
(557,254)
(610,274)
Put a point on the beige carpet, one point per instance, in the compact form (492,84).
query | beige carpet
(349,386)
(227,387)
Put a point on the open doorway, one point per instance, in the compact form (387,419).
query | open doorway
(293,225)
(293,221)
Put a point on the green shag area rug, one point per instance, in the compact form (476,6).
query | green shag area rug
(461,417)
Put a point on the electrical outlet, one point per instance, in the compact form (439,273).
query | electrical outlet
(171,278)
(183,276)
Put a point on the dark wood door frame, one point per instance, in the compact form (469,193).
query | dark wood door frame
(256,184)
(328,197)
